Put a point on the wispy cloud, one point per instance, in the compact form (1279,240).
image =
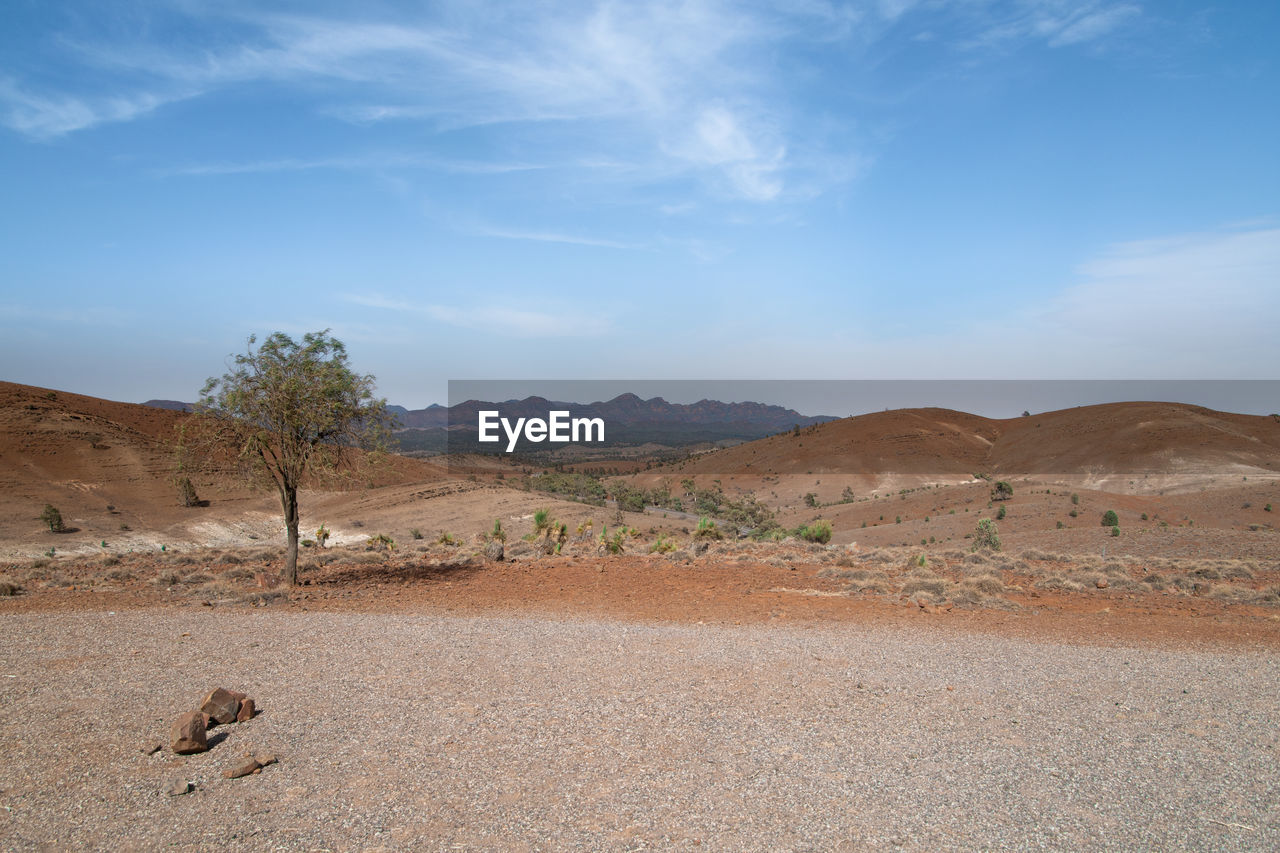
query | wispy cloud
(495,320)
(49,116)
(552,237)
(359,163)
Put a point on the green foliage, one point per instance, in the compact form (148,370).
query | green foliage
(1267,508)
(322,534)
(1002,491)
(614,544)
(1074,513)
(986,535)
(52,517)
(1115,531)
(1144,516)
(1061,525)
(707,529)
(187,493)
(1001,514)
(291,409)
(569,484)
(446,538)
(415,533)
(815,531)
(1075,499)
(1110,519)
(541,520)
(811,499)
(663,546)
(497,534)
(380,542)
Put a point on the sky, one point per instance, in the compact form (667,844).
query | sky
(802,189)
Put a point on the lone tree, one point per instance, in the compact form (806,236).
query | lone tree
(293,409)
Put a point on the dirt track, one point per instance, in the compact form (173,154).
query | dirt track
(428,730)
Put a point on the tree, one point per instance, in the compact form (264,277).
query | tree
(293,410)
(1110,519)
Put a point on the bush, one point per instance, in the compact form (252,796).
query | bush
(415,533)
(1075,499)
(53,518)
(816,531)
(1115,531)
(811,500)
(1002,491)
(1001,514)
(541,519)
(498,534)
(707,529)
(187,493)
(380,542)
(986,535)
(662,546)
(1110,519)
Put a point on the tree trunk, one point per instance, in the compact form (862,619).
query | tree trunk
(289,499)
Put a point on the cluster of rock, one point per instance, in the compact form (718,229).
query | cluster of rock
(190,732)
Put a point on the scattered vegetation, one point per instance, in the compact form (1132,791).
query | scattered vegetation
(1110,519)
(986,535)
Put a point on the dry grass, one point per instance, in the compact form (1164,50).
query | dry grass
(9,587)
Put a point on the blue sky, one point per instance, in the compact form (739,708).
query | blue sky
(973,189)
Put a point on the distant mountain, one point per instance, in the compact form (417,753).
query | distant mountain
(628,410)
(171,405)
(630,420)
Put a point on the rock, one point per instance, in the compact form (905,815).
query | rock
(188,734)
(244,767)
(221,705)
(266,759)
(151,747)
(247,710)
(177,787)
(494,551)
(1102,583)
(209,722)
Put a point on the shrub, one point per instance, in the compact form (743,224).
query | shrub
(1002,491)
(1110,519)
(707,529)
(986,535)
(1115,531)
(541,519)
(1001,514)
(187,493)
(1075,499)
(53,518)
(380,542)
(662,546)
(415,533)
(1061,525)
(446,538)
(811,499)
(497,534)
(815,531)
(322,535)
(1267,508)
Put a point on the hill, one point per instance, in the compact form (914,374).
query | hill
(1151,439)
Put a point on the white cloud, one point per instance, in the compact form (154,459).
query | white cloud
(45,117)
(496,319)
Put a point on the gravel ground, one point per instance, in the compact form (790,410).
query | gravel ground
(524,732)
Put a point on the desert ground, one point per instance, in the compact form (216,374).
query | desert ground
(892,686)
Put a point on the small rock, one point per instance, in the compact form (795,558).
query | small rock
(221,705)
(188,734)
(246,767)
(247,710)
(1102,583)
(177,787)
(266,759)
